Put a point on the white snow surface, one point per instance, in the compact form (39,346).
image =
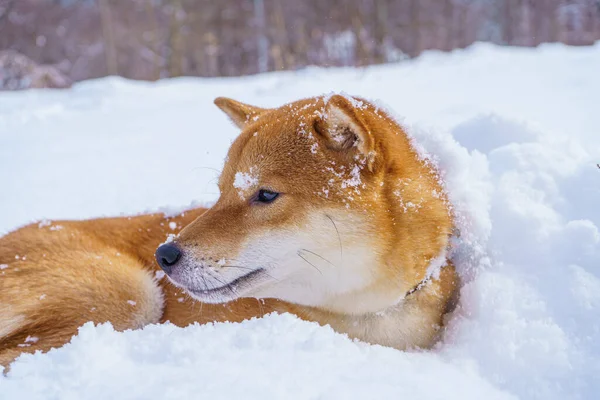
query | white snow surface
(516,133)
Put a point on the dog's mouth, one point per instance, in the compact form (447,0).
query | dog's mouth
(227,291)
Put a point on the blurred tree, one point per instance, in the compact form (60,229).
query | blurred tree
(150,39)
(110,50)
(5,9)
(261,36)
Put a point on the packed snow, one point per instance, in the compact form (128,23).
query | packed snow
(516,134)
(244,181)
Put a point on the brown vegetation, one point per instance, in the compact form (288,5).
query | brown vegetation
(152,39)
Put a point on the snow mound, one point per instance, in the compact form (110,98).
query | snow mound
(275,357)
(515,135)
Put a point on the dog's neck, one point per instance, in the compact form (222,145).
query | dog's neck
(412,321)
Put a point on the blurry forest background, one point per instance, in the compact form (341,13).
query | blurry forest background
(57,42)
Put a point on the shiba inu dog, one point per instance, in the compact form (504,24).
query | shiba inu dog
(325,211)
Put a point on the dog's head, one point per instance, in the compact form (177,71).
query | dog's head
(323,202)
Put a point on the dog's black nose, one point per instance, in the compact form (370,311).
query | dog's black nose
(167,255)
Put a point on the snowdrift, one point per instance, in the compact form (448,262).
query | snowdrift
(516,133)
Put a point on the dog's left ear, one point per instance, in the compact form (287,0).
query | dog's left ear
(345,129)
(241,114)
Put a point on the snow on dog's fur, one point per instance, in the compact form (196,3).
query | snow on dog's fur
(326,211)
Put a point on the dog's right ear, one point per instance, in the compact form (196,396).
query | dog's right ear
(341,123)
(241,114)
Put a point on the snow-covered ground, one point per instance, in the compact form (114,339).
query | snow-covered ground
(517,132)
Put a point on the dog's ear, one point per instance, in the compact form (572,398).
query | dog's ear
(241,114)
(344,127)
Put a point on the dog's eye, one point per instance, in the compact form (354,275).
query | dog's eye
(266,196)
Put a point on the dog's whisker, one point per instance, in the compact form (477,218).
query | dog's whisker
(211,193)
(237,266)
(250,269)
(320,256)
(217,173)
(211,168)
(311,264)
(204,281)
(227,285)
(339,238)
(260,307)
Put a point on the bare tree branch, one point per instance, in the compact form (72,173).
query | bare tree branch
(6,11)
